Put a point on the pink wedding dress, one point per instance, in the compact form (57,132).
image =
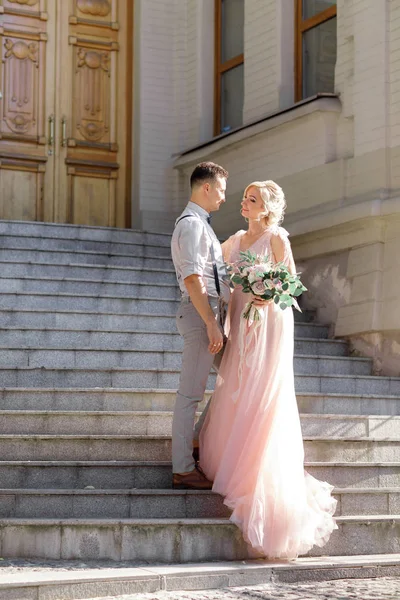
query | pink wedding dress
(251,445)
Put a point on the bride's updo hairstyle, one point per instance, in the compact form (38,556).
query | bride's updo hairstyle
(273,199)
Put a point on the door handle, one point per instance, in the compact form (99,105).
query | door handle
(64,140)
(51,135)
(1,95)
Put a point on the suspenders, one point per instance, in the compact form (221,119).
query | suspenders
(214,264)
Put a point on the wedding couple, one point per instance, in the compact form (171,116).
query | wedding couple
(248,439)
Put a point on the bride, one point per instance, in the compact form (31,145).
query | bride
(251,445)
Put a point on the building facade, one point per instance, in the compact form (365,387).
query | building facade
(108,104)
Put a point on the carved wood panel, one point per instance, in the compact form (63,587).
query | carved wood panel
(96,111)
(91,119)
(92,195)
(21,184)
(24,162)
(22,82)
(96,12)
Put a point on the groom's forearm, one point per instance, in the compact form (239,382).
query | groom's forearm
(198,295)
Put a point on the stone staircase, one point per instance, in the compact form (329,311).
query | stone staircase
(89,363)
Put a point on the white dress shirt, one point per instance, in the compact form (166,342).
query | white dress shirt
(190,247)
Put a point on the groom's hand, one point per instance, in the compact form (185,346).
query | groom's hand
(214,337)
(198,295)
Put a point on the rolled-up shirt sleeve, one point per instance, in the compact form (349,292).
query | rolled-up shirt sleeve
(194,245)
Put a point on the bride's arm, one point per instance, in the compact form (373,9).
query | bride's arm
(282,251)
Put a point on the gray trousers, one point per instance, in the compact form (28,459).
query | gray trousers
(196,366)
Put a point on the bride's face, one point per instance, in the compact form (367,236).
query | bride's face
(252,205)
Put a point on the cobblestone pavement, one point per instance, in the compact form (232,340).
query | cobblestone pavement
(385,588)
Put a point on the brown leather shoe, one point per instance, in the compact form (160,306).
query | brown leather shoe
(195,480)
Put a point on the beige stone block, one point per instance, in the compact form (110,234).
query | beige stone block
(365,287)
(391,315)
(338,238)
(366,174)
(365,259)
(391,283)
(391,257)
(357,318)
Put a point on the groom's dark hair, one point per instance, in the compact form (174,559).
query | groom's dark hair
(207,171)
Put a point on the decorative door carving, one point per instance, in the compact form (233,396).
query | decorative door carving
(25,72)
(65,113)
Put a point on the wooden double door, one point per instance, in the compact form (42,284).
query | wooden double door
(66,111)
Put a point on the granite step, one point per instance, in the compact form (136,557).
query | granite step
(34,229)
(111,504)
(93,304)
(76,320)
(66,257)
(86,272)
(114,399)
(164,504)
(154,342)
(98,288)
(118,474)
(160,423)
(73,245)
(175,540)
(120,581)
(158,448)
(68,339)
(119,377)
(60,301)
(92,358)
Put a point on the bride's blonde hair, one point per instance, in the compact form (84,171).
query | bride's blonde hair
(273,199)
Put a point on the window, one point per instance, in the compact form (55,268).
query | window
(315,47)
(229,67)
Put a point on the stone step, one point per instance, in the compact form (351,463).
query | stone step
(77,320)
(86,272)
(98,288)
(60,301)
(348,404)
(73,245)
(112,504)
(173,540)
(30,229)
(141,359)
(114,399)
(119,474)
(119,377)
(164,504)
(66,257)
(71,339)
(26,301)
(158,448)
(160,423)
(75,581)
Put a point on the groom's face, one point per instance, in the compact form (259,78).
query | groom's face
(216,193)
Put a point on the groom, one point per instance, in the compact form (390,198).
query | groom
(200,270)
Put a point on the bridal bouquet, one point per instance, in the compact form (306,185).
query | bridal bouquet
(259,276)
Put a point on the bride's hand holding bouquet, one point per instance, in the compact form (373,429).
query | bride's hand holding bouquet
(265,280)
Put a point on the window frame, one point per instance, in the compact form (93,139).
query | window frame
(221,67)
(301,27)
